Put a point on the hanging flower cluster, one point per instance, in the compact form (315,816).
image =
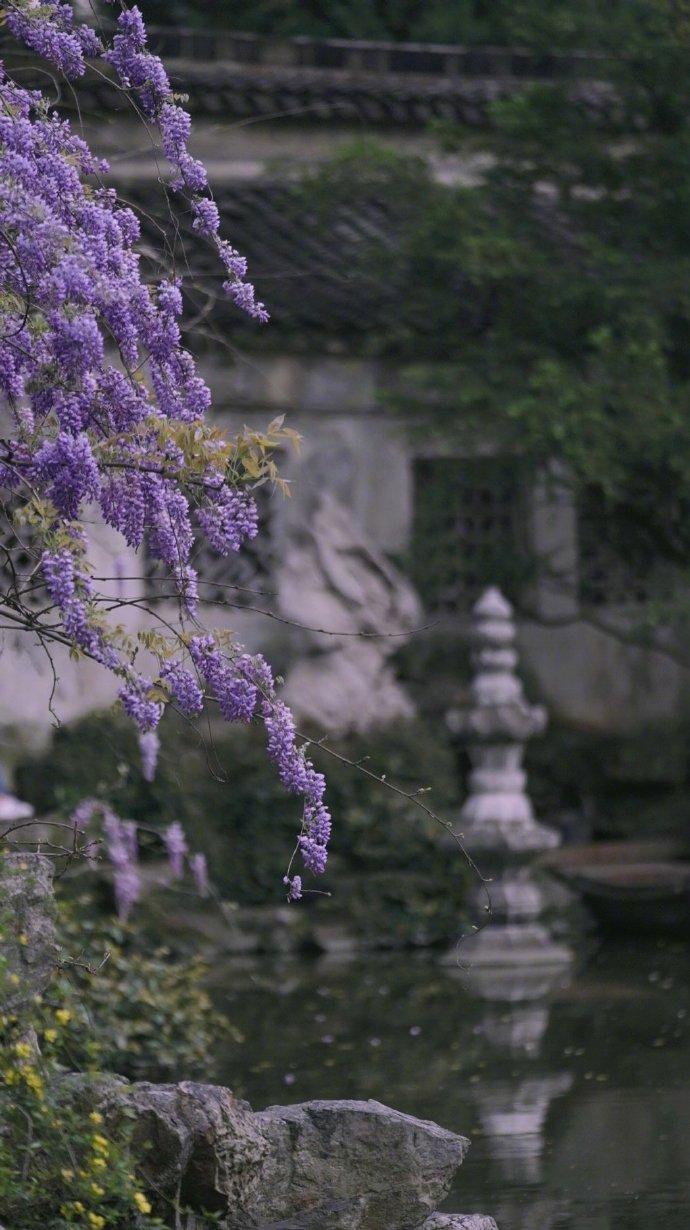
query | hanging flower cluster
(105,405)
(119,840)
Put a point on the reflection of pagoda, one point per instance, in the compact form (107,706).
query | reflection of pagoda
(512,1115)
(497,823)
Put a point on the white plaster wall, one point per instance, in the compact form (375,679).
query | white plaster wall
(41,687)
(593,679)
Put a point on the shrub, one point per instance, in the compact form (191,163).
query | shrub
(59,1166)
(131,1012)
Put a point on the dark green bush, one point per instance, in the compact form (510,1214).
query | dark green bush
(133,1012)
(228,798)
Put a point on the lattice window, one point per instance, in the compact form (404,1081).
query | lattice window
(246,578)
(469,529)
(20,577)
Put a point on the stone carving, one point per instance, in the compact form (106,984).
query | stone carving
(356,599)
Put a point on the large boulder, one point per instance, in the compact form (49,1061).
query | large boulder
(315,1166)
(197,1144)
(338,1159)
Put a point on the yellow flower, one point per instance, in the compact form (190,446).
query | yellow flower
(67,1174)
(99,1163)
(96,1221)
(22,1049)
(96,1116)
(13,979)
(23,938)
(141,1202)
(63,1015)
(100,1144)
(78,1206)
(97,1190)
(34,1081)
(50,1035)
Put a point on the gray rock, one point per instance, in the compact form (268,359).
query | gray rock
(459,1221)
(387,1168)
(316,1166)
(198,1144)
(342,1214)
(27,930)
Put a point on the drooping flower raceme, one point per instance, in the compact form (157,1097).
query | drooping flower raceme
(120,842)
(105,410)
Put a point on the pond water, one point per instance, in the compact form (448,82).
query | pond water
(577,1101)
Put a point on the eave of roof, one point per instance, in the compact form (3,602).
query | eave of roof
(241,76)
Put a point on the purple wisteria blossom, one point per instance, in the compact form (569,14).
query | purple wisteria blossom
(229,520)
(121,849)
(176,846)
(185,689)
(120,841)
(294,887)
(106,412)
(136,702)
(199,870)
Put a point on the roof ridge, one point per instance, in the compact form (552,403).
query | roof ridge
(367,55)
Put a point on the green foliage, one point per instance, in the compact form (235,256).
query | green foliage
(243,821)
(546,311)
(137,1013)
(398,20)
(561,24)
(110,1008)
(613,787)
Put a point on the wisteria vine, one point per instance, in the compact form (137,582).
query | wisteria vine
(104,406)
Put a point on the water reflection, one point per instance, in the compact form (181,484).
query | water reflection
(577,1100)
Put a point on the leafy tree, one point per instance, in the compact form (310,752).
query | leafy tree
(584,355)
(548,309)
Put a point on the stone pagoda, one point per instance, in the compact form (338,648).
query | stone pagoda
(497,823)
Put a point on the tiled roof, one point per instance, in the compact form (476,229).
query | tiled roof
(240,76)
(311,272)
(244,75)
(359,55)
(240,92)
